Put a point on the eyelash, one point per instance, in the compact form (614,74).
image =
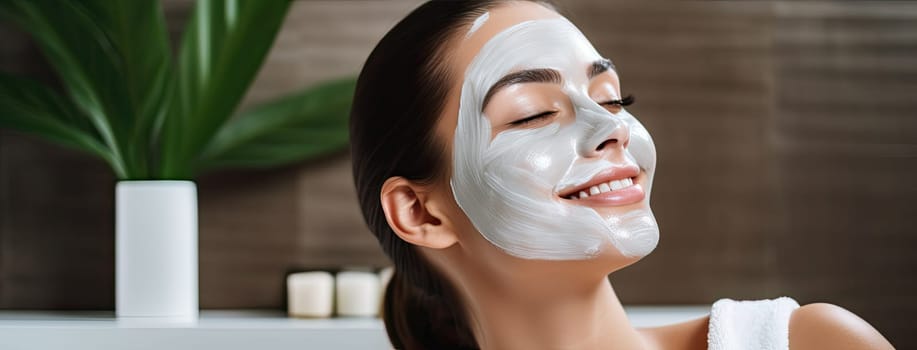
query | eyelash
(626,101)
(533,118)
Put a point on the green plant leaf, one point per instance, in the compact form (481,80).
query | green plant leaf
(128,104)
(223,48)
(264,155)
(137,32)
(81,53)
(306,124)
(29,107)
(113,59)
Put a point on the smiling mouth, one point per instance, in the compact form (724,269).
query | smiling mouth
(604,187)
(616,186)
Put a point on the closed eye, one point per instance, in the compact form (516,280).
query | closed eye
(614,106)
(626,101)
(533,119)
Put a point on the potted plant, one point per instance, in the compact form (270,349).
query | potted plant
(158,121)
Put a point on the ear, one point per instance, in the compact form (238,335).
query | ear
(414,215)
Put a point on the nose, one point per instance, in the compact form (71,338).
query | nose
(618,138)
(610,135)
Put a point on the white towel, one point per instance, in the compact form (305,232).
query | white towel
(750,325)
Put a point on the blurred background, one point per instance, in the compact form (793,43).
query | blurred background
(786,135)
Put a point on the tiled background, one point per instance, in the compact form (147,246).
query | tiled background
(786,133)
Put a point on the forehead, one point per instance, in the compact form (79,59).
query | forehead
(545,43)
(502,42)
(489,25)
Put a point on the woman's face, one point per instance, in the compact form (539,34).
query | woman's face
(544,165)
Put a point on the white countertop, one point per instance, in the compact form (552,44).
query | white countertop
(230,329)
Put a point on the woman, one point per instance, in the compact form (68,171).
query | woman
(495,163)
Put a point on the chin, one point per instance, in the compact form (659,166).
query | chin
(611,264)
(625,252)
(641,244)
(633,233)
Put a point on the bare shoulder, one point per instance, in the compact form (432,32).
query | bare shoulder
(689,335)
(828,326)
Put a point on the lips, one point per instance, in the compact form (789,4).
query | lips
(615,184)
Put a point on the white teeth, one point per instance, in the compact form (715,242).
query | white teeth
(604,188)
(617,184)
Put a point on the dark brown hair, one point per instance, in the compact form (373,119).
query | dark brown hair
(399,97)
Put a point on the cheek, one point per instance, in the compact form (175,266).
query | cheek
(641,146)
(541,155)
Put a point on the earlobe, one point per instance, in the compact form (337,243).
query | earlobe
(411,214)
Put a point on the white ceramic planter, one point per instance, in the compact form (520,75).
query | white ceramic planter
(156,250)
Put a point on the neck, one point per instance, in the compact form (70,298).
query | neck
(562,317)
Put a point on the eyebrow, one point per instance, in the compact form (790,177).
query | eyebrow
(542,75)
(599,67)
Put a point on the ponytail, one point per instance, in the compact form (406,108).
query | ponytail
(415,320)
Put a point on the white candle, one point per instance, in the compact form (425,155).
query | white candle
(357,294)
(310,294)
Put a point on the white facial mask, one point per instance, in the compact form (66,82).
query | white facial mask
(508,186)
